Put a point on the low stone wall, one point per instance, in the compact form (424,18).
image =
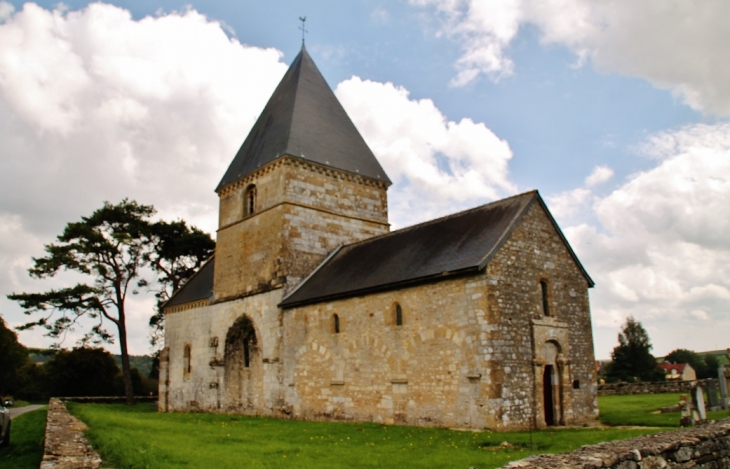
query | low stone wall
(659,387)
(703,447)
(65,446)
(108,399)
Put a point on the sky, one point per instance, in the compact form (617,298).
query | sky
(618,112)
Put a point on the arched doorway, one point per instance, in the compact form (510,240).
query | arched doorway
(243,370)
(551,389)
(547,394)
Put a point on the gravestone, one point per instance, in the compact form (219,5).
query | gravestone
(713,398)
(723,386)
(686,407)
(698,399)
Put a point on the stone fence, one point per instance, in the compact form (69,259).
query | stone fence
(65,446)
(703,447)
(658,387)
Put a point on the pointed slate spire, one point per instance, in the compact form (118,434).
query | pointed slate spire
(304,119)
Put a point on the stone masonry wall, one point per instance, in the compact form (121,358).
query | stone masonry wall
(205,387)
(468,353)
(303,212)
(519,330)
(65,446)
(704,447)
(645,388)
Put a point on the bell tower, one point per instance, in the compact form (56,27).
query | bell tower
(303,183)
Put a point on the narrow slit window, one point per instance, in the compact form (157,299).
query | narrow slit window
(545,302)
(250,200)
(186,360)
(336,319)
(398,315)
(246,353)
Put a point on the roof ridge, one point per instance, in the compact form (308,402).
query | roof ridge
(439,219)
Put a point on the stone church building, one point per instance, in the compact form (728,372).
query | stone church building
(312,308)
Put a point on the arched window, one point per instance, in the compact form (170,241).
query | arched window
(186,360)
(249,200)
(545,302)
(336,320)
(398,315)
(240,344)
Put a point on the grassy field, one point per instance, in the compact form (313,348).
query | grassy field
(26,441)
(638,410)
(139,437)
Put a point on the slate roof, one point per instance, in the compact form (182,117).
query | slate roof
(304,119)
(453,245)
(198,287)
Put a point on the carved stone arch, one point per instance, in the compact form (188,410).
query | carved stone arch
(443,391)
(552,377)
(366,372)
(468,348)
(243,369)
(312,345)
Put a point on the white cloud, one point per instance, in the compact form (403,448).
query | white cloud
(380,16)
(659,249)
(95,106)
(438,166)
(679,46)
(6,9)
(599,175)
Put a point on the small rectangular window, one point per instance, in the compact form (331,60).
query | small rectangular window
(545,302)
(186,360)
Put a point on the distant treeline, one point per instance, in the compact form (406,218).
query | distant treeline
(142,362)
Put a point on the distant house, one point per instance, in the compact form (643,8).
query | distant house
(678,371)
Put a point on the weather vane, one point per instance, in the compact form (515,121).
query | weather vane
(304,31)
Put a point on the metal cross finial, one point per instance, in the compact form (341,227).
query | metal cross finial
(304,31)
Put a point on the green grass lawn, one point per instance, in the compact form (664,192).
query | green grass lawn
(637,410)
(139,437)
(26,441)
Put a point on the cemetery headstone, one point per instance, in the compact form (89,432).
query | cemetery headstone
(713,398)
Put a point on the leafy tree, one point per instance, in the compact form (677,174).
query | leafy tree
(13,357)
(712,364)
(83,371)
(110,247)
(178,252)
(631,359)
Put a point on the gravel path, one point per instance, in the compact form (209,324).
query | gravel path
(14,412)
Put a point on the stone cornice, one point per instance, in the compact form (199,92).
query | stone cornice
(288,160)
